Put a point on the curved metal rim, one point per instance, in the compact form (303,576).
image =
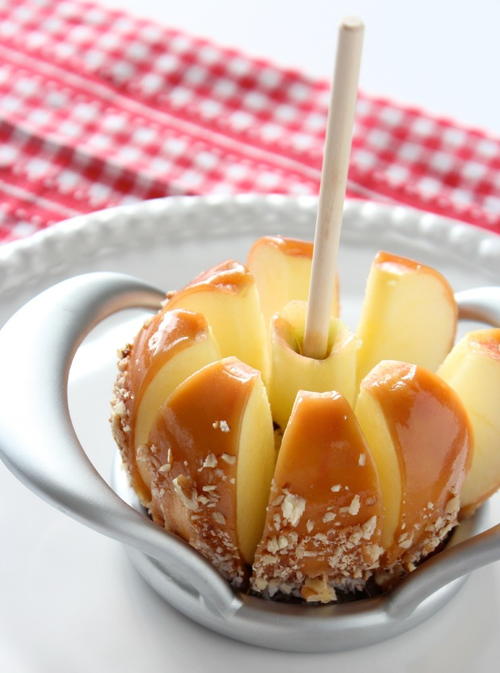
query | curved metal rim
(295,628)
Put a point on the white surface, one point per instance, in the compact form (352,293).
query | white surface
(442,55)
(70,602)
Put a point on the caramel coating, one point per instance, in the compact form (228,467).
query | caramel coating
(228,276)
(289,246)
(162,335)
(324,515)
(193,451)
(431,433)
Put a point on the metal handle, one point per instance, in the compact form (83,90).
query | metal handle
(443,568)
(481,304)
(37,439)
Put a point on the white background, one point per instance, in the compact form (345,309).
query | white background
(443,55)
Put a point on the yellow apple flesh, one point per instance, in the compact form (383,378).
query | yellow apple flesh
(292,371)
(472,369)
(227,296)
(409,314)
(282,270)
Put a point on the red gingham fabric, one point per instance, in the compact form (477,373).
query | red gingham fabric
(98,108)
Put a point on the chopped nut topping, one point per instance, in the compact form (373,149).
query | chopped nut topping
(120,409)
(210,461)
(142,453)
(405,541)
(219,517)
(373,552)
(228,458)
(362,459)
(310,526)
(317,590)
(329,516)
(336,488)
(268,559)
(369,527)
(260,583)
(282,542)
(293,507)
(355,505)
(221,425)
(166,467)
(181,484)
(272,545)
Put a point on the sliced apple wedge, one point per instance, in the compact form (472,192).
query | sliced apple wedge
(227,296)
(212,454)
(419,435)
(169,348)
(409,313)
(292,371)
(282,270)
(472,369)
(324,516)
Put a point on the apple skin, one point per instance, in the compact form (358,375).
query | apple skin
(228,298)
(282,270)
(472,369)
(324,515)
(200,475)
(409,314)
(430,442)
(171,345)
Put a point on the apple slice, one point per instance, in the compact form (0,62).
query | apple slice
(292,371)
(212,454)
(169,348)
(324,516)
(409,313)
(282,270)
(227,296)
(419,435)
(472,369)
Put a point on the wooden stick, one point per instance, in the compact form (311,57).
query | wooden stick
(333,185)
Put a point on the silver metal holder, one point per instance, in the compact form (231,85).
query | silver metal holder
(39,445)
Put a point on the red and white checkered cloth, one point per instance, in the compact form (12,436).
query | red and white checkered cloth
(99,108)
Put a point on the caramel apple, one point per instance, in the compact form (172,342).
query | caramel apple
(211,451)
(369,479)
(472,369)
(409,313)
(324,516)
(420,438)
(282,270)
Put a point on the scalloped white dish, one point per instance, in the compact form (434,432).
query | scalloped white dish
(57,577)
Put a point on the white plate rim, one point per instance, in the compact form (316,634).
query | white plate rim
(59,247)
